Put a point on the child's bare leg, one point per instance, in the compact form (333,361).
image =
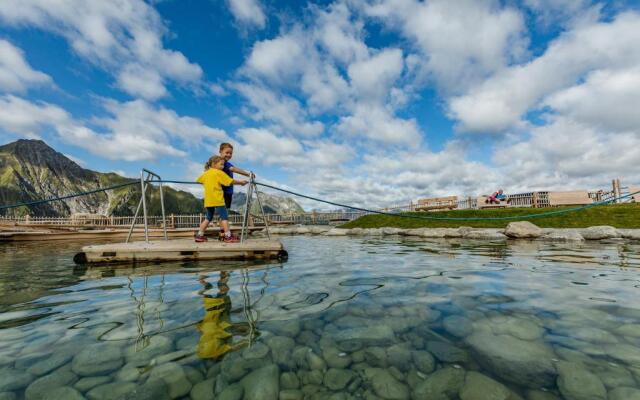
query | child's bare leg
(224,227)
(203,227)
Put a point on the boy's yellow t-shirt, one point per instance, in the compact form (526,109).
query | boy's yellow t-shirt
(213,180)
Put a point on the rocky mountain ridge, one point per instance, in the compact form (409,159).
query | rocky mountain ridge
(31,170)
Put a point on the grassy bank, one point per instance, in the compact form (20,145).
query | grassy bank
(619,216)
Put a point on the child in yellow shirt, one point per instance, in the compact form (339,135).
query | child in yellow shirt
(213,179)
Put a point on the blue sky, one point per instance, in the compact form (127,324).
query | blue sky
(370,102)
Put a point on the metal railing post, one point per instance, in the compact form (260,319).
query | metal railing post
(164,219)
(144,207)
(245,221)
(264,217)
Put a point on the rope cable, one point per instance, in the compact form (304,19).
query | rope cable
(69,196)
(424,217)
(408,216)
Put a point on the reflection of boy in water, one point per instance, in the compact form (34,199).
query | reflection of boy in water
(215,340)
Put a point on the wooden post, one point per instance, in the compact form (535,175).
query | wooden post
(534,200)
(27,219)
(616,190)
(173,221)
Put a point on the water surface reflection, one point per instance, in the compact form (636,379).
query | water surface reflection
(343,318)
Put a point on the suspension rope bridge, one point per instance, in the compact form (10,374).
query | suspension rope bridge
(370,211)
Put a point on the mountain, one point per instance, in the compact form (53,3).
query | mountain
(31,170)
(272,204)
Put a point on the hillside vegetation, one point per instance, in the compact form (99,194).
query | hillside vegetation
(618,215)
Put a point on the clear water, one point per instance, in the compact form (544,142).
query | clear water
(342,318)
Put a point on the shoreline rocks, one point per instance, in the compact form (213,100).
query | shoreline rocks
(519,230)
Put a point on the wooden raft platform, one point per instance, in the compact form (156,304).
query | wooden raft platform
(180,249)
(53,234)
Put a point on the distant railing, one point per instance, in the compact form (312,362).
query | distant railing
(182,221)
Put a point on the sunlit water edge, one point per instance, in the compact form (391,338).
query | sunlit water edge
(419,316)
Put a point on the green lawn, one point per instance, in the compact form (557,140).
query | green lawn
(619,216)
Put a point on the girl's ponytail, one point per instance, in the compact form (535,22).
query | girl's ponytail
(208,164)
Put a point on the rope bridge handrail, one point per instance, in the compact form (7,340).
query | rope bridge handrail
(366,210)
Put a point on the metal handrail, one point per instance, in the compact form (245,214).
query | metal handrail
(144,182)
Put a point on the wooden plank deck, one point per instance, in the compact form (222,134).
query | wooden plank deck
(180,249)
(42,235)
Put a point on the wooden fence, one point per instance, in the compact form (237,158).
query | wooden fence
(184,221)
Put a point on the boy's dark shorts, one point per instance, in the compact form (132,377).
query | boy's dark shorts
(228,197)
(220,210)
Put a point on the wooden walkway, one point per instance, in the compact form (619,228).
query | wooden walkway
(180,250)
(79,234)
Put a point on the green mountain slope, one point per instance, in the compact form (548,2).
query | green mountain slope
(31,170)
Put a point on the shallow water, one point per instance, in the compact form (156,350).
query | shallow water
(344,317)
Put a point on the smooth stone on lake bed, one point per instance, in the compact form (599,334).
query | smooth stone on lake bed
(458,326)
(203,390)
(447,353)
(50,363)
(41,386)
(338,379)
(527,363)
(576,383)
(480,387)
(8,396)
(443,384)
(111,391)
(386,385)
(63,393)
(158,345)
(89,383)
(372,335)
(97,359)
(624,393)
(262,384)
(174,377)
(14,379)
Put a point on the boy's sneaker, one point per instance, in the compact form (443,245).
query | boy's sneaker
(231,239)
(200,238)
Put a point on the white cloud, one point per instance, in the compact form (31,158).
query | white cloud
(608,100)
(461,42)
(16,75)
(262,146)
(25,118)
(133,130)
(377,123)
(372,78)
(248,12)
(397,177)
(279,108)
(327,68)
(499,102)
(123,37)
(278,60)
(565,12)
(566,154)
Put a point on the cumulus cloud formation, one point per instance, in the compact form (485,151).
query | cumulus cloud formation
(133,130)
(248,12)
(330,68)
(461,42)
(262,145)
(348,89)
(500,102)
(123,37)
(568,152)
(16,75)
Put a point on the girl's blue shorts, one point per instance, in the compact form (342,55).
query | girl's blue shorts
(220,210)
